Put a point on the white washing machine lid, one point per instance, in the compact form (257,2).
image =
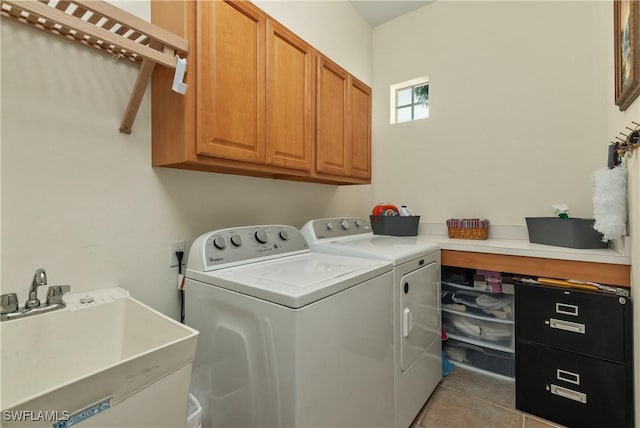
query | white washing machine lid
(397,249)
(295,281)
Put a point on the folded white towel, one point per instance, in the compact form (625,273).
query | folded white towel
(610,202)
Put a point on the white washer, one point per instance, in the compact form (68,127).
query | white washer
(288,337)
(417,316)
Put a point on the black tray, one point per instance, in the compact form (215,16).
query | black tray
(395,225)
(564,232)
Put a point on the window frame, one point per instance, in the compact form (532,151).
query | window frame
(394,107)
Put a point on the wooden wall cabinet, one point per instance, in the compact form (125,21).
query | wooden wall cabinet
(360,129)
(343,122)
(230,81)
(290,77)
(260,101)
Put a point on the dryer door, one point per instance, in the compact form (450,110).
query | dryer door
(420,313)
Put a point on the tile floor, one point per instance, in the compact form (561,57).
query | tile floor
(466,399)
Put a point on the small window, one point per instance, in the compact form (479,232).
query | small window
(410,100)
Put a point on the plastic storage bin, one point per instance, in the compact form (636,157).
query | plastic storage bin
(465,300)
(480,323)
(395,225)
(479,357)
(492,333)
(564,232)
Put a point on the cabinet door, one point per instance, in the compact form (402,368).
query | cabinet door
(290,77)
(360,118)
(332,125)
(231,81)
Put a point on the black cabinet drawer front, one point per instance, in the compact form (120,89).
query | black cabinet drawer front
(572,389)
(580,321)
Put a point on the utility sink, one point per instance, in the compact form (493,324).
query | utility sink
(104,350)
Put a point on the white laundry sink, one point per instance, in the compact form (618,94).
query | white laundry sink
(90,358)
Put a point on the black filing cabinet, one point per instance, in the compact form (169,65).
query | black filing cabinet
(574,360)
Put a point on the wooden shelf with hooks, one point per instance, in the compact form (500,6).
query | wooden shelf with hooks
(100,25)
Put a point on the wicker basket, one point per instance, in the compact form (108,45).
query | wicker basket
(468,233)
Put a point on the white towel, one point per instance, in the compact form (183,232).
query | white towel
(610,202)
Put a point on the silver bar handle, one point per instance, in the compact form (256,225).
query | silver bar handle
(568,393)
(572,327)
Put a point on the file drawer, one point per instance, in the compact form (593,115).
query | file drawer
(581,321)
(572,389)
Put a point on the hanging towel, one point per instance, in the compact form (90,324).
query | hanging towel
(610,202)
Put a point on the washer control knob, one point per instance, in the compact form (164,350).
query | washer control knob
(261,236)
(236,240)
(345,225)
(358,224)
(328,226)
(219,243)
(284,235)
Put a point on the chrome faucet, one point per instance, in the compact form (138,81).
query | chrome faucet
(39,279)
(10,309)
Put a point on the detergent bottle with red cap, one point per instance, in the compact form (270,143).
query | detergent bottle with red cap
(385,209)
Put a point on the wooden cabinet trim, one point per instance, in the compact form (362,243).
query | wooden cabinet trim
(604,273)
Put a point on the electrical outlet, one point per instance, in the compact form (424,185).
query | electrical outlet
(173,247)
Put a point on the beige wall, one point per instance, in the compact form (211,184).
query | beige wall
(517,105)
(81,200)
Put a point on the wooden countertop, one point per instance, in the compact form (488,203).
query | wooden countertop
(605,266)
(604,273)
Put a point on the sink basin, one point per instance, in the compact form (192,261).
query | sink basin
(104,351)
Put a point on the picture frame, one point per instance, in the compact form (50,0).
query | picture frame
(626,28)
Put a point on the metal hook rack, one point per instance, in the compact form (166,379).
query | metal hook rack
(625,142)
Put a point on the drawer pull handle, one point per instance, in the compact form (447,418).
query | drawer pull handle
(563,308)
(569,393)
(568,376)
(573,327)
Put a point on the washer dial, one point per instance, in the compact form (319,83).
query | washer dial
(236,240)
(219,243)
(261,236)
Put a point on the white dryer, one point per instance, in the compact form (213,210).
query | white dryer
(288,337)
(417,316)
